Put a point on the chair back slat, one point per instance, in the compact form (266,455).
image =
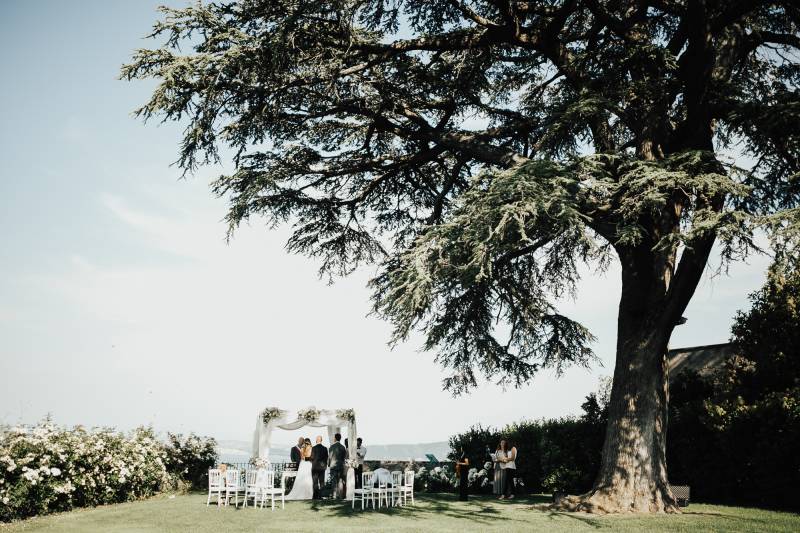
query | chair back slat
(397,478)
(409,479)
(366,480)
(214,477)
(232,477)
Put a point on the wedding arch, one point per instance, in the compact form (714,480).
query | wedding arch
(334,420)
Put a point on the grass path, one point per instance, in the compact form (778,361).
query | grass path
(440,513)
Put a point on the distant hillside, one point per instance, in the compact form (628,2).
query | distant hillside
(404,452)
(237,451)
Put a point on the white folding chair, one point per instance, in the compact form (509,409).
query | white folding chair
(408,487)
(215,486)
(269,489)
(233,485)
(381,492)
(365,490)
(397,487)
(253,483)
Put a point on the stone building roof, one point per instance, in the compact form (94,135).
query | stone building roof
(701,359)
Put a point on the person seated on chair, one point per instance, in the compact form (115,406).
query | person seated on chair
(381,476)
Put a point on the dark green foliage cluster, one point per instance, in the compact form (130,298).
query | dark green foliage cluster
(733,435)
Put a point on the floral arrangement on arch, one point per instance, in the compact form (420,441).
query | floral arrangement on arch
(271,413)
(310,414)
(346,414)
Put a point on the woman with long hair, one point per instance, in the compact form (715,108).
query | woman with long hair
(508,465)
(500,472)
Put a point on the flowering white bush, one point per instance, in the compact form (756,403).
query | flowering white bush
(47,468)
(190,458)
(437,479)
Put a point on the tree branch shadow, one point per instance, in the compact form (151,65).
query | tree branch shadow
(479,510)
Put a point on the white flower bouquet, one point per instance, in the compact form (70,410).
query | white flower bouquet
(271,413)
(346,414)
(311,414)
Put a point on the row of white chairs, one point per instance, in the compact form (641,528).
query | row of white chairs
(402,488)
(256,485)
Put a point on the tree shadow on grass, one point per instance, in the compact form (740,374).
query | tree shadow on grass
(478,509)
(594,522)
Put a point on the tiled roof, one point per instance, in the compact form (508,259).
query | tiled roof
(701,359)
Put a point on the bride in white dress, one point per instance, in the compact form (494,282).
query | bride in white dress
(303,488)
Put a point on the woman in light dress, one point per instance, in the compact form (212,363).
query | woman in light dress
(303,488)
(506,457)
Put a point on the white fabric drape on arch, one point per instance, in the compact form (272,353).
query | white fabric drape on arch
(262,437)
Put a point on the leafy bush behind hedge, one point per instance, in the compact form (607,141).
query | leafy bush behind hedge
(46,468)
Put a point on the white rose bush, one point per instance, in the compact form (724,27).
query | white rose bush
(47,468)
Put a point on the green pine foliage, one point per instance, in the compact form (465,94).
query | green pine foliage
(479,151)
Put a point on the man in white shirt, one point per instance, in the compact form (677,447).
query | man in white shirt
(381,476)
(361,452)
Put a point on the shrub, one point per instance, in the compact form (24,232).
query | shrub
(190,458)
(436,479)
(47,468)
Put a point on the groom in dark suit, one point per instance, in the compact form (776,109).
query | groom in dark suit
(296,454)
(319,462)
(337,454)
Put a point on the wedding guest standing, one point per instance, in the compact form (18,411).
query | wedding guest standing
(337,454)
(319,462)
(462,468)
(381,476)
(510,468)
(361,452)
(499,472)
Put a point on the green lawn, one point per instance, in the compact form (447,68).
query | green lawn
(432,513)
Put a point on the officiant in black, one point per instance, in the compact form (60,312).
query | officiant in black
(462,469)
(319,462)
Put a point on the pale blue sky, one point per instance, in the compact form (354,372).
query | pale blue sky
(120,302)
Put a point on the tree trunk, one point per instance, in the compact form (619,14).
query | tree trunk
(633,471)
